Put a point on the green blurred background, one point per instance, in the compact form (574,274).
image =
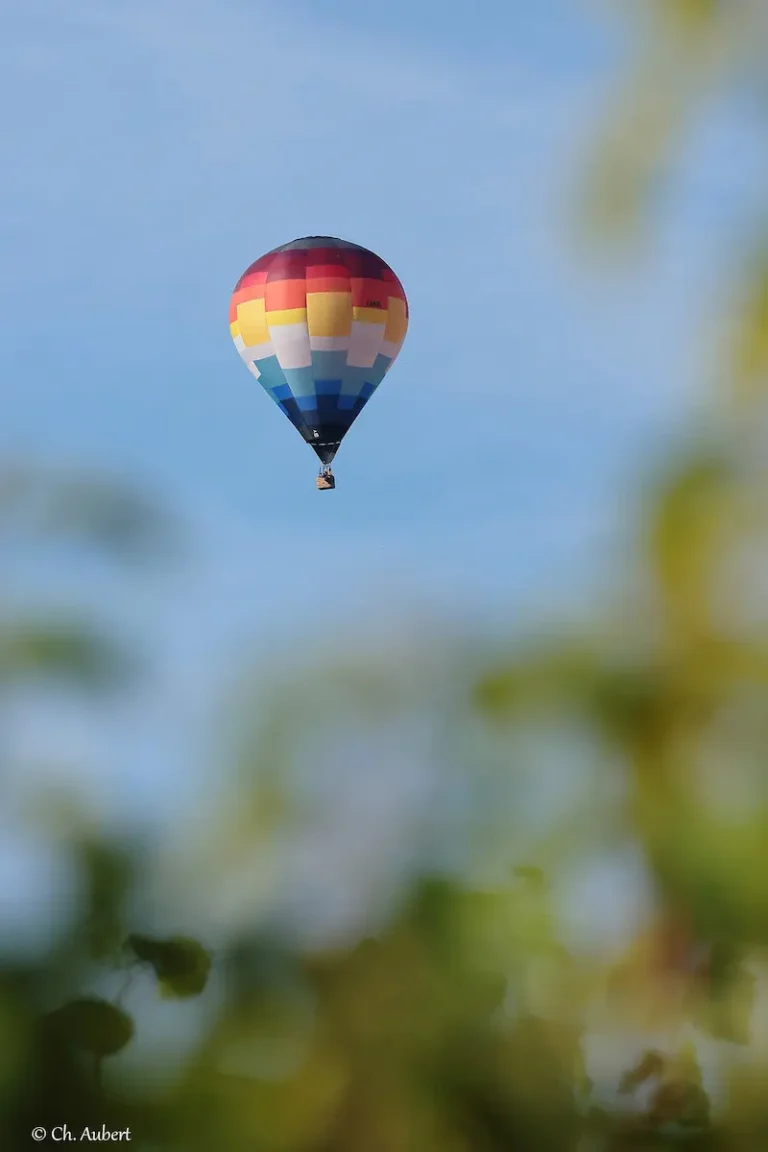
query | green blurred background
(547,927)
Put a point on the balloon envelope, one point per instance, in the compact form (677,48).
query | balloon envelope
(319,323)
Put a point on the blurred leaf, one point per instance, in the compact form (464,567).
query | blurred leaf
(683,49)
(59,503)
(515,1090)
(69,653)
(712,866)
(688,16)
(627,168)
(221,1108)
(16,1031)
(91,1024)
(181,965)
(681,1103)
(724,962)
(749,350)
(650,1064)
(632,703)
(538,678)
(650,987)
(725,1002)
(694,519)
(110,515)
(534,876)
(108,873)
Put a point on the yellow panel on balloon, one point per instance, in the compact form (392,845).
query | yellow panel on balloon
(397,321)
(329,313)
(252,318)
(370,315)
(286,316)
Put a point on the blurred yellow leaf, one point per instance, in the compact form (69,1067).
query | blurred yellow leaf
(749,348)
(693,524)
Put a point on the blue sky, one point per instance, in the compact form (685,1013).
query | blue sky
(150,151)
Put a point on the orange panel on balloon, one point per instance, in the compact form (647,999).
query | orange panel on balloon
(284,294)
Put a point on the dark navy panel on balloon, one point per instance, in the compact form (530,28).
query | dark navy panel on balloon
(328,408)
(292,411)
(317,242)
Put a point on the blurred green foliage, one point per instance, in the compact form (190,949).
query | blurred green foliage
(457,1020)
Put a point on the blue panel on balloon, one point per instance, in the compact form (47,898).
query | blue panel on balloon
(329,365)
(270,372)
(301,381)
(379,370)
(353,380)
(327,387)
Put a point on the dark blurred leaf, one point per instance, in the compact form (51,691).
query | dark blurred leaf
(723,964)
(94,510)
(538,678)
(650,1064)
(433,906)
(514,1090)
(181,965)
(91,1024)
(725,1002)
(111,516)
(680,1103)
(108,873)
(631,703)
(534,876)
(69,653)
(713,867)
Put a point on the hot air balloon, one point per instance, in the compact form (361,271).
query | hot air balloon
(319,323)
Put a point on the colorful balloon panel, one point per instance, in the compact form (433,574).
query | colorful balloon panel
(319,323)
